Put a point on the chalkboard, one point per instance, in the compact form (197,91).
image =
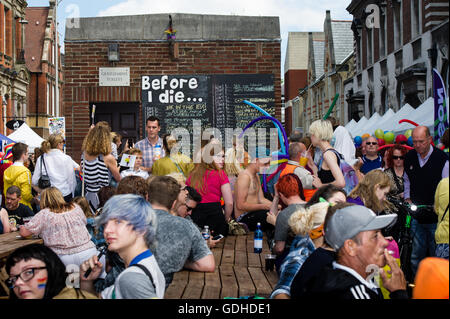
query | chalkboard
(215,100)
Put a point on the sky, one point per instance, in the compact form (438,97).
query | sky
(295,15)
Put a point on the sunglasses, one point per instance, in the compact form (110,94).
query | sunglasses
(25,275)
(188,208)
(398,157)
(371,143)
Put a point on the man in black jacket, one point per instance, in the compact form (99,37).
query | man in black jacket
(425,166)
(355,233)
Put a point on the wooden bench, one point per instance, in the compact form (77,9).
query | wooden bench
(239,272)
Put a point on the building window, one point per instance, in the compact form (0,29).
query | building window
(48,98)
(369,46)
(53,100)
(398,30)
(382,33)
(416,15)
(359,59)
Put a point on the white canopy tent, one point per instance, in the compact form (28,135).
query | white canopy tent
(423,115)
(362,129)
(380,124)
(25,134)
(362,121)
(350,125)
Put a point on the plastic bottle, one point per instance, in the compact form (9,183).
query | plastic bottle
(205,233)
(258,239)
(157,152)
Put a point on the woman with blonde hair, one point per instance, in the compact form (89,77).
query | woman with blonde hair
(97,162)
(371,191)
(328,170)
(210,180)
(62,226)
(57,165)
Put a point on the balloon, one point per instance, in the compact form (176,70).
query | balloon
(366,135)
(408,121)
(401,139)
(379,133)
(381,142)
(331,107)
(408,133)
(389,137)
(358,140)
(410,142)
(385,132)
(391,145)
(285,145)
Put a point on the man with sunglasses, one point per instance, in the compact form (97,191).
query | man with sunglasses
(192,198)
(371,160)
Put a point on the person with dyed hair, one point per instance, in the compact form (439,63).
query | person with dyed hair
(289,189)
(129,228)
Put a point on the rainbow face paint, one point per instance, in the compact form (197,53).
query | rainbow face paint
(42,283)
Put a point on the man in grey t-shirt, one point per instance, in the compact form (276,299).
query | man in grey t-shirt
(282,229)
(178,242)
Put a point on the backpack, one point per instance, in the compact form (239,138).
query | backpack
(351,180)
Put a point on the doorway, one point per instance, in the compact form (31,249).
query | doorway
(123,118)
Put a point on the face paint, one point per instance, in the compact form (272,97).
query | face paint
(42,283)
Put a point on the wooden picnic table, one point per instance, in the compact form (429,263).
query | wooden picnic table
(239,272)
(9,242)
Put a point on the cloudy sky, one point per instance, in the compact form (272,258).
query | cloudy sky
(295,15)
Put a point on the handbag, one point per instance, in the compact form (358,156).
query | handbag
(44,180)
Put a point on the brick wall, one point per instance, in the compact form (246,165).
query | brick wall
(82,62)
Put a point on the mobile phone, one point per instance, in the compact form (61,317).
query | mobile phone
(220,236)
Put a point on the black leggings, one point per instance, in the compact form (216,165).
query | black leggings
(251,219)
(210,214)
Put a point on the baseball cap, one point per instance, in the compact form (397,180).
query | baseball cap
(349,221)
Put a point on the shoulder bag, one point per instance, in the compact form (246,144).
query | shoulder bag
(44,180)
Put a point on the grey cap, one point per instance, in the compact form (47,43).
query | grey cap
(349,221)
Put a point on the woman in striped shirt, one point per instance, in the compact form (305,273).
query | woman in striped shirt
(97,162)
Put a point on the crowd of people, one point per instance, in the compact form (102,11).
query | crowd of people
(150,214)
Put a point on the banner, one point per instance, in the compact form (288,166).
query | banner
(440,107)
(57,125)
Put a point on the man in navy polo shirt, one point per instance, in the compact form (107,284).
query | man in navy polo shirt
(371,160)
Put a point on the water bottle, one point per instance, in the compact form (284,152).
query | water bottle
(157,152)
(205,233)
(258,239)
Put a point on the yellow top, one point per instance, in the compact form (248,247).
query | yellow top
(166,165)
(19,176)
(440,204)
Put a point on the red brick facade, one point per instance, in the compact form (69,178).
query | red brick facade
(83,59)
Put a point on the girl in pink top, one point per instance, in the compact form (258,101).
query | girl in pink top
(210,181)
(62,226)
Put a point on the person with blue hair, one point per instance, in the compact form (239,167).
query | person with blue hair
(129,229)
(251,205)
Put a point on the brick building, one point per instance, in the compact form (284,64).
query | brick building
(329,64)
(14,76)
(41,59)
(295,75)
(394,57)
(204,45)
